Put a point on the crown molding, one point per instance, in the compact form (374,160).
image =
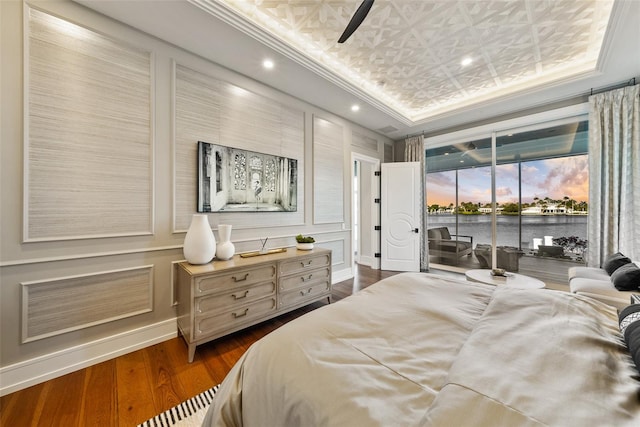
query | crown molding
(246,26)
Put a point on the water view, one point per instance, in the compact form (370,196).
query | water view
(534,226)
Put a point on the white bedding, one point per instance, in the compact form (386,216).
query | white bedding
(424,350)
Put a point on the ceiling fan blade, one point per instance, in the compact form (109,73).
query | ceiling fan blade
(356,20)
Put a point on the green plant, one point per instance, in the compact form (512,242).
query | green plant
(302,239)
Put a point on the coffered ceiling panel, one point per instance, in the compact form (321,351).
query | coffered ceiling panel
(407,53)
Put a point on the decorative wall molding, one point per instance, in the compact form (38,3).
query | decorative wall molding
(338,251)
(388,153)
(39,369)
(88,124)
(212,110)
(87,255)
(328,172)
(341,275)
(55,306)
(365,142)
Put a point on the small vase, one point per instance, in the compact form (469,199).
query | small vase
(225,249)
(304,246)
(199,243)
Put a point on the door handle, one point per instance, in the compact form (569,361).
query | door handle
(415,230)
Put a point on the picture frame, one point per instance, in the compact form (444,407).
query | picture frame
(235,180)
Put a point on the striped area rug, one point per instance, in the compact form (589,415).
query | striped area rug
(189,413)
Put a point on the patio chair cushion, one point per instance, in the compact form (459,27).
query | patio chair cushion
(452,246)
(444,233)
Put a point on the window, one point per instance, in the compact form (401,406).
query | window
(541,194)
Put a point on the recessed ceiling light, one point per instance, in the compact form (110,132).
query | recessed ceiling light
(355,108)
(268,64)
(466,61)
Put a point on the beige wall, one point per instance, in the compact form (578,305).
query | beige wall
(74,265)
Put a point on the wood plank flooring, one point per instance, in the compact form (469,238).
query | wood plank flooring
(133,388)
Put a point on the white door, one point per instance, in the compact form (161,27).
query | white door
(400,219)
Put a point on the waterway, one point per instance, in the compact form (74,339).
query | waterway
(533,226)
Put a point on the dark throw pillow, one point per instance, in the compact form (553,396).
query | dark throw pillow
(615,261)
(626,278)
(630,328)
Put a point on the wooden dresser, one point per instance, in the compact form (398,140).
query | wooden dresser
(221,297)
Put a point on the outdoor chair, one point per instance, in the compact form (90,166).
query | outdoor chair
(443,246)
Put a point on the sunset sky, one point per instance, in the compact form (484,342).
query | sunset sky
(554,178)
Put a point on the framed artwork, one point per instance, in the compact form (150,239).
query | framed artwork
(234,180)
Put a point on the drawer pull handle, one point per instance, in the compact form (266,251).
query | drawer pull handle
(303,293)
(244,313)
(235,296)
(304,279)
(306,264)
(235,279)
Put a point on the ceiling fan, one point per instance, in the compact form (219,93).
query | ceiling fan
(356,20)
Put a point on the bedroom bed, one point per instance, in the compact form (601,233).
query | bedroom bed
(418,349)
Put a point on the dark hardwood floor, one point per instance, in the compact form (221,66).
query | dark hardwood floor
(133,388)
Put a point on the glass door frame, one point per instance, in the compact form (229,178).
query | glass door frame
(550,118)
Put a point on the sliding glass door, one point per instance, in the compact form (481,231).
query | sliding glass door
(541,205)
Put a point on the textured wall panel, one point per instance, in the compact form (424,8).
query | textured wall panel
(365,142)
(328,172)
(388,153)
(88,133)
(338,251)
(55,306)
(211,110)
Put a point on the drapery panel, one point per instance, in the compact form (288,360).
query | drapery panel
(414,152)
(614,174)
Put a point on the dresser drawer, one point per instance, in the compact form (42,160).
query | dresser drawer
(303,294)
(233,298)
(234,280)
(208,325)
(304,278)
(303,264)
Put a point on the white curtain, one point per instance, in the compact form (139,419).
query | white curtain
(414,152)
(614,175)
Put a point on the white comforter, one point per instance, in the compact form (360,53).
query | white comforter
(424,350)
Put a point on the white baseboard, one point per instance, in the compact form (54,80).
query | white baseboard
(365,260)
(339,276)
(43,368)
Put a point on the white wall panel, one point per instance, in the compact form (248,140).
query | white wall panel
(388,153)
(338,252)
(88,133)
(366,143)
(328,172)
(54,306)
(211,110)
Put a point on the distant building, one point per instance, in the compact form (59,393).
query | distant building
(545,210)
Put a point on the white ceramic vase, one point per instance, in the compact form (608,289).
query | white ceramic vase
(225,249)
(199,243)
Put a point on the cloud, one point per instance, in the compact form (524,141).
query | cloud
(503,191)
(553,178)
(568,176)
(441,179)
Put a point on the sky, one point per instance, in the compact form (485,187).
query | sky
(553,178)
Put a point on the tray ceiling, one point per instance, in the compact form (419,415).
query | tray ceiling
(406,56)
